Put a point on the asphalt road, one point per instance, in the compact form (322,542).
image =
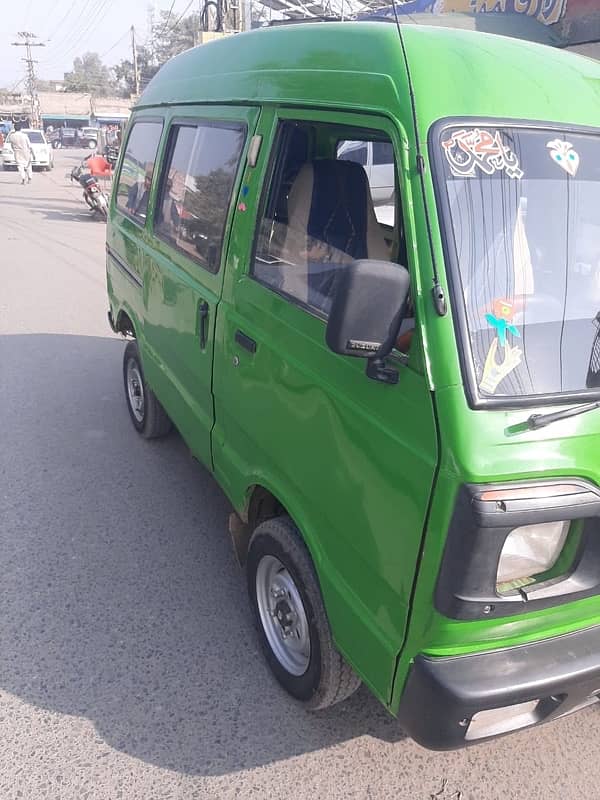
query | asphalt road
(129,666)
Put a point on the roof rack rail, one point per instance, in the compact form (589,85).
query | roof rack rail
(301,20)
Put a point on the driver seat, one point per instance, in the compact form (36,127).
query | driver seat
(331,222)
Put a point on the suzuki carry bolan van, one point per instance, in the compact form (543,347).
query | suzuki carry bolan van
(405,414)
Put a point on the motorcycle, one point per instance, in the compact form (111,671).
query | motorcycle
(111,154)
(93,195)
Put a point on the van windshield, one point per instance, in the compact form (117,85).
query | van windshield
(522,209)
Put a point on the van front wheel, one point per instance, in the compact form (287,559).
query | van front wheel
(291,619)
(148,416)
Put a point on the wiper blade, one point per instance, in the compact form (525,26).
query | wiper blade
(536,421)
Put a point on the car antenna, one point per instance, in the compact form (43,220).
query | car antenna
(439,297)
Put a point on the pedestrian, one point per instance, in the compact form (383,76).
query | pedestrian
(21,146)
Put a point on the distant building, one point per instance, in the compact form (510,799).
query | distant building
(71,109)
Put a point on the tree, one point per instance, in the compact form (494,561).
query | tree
(168,37)
(89,75)
(123,72)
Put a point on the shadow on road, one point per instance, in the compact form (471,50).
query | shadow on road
(76,211)
(69,216)
(122,602)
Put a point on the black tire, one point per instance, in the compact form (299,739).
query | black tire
(151,421)
(327,679)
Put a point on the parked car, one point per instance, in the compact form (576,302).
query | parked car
(43,157)
(88,137)
(406,420)
(377,158)
(64,137)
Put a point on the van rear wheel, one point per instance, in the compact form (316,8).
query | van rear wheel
(292,624)
(148,416)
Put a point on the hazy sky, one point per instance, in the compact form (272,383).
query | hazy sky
(72,27)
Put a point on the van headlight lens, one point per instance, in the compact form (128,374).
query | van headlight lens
(531,550)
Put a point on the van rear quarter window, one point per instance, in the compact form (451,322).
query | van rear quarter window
(135,177)
(196,188)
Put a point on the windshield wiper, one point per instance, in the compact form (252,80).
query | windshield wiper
(536,421)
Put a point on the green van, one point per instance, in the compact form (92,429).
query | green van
(401,401)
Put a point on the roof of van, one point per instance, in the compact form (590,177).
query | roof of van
(360,66)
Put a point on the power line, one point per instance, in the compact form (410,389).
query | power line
(81,35)
(67,14)
(118,42)
(168,17)
(75,37)
(180,17)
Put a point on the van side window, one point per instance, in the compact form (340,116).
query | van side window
(137,169)
(197,181)
(324,219)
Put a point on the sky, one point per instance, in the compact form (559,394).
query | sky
(69,28)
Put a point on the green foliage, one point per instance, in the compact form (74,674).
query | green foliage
(168,37)
(89,75)
(123,72)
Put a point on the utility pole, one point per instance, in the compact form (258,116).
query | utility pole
(136,75)
(28,42)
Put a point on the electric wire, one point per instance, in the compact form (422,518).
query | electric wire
(74,37)
(82,36)
(118,42)
(67,33)
(57,47)
(164,27)
(180,17)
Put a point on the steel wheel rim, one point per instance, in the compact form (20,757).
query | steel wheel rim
(282,615)
(135,390)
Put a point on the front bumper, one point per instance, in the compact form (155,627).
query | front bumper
(452,702)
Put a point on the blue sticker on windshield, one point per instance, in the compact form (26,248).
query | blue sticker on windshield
(503,326)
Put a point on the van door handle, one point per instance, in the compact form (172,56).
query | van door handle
(203,322)
(245,341)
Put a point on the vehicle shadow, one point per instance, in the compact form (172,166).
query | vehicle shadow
(69,216)
(76,210)
(122,601)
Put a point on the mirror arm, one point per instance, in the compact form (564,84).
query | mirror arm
(378,371)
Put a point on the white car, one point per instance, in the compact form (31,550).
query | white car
(377,159)
(42,152)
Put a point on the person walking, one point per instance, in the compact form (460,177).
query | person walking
(21,146)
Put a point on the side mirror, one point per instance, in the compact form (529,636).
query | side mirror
(369,302)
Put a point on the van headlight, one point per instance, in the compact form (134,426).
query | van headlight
(531,550)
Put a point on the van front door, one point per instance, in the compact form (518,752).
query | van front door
(200,166)
(350,459)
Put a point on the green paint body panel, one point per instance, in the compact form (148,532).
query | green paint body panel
(368,472)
